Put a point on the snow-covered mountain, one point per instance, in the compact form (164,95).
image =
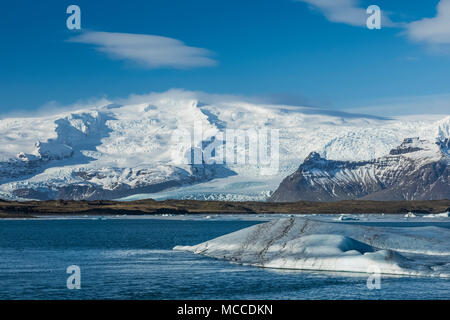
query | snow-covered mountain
(126,149)
(416,170)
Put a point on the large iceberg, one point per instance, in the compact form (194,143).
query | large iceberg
(299,243)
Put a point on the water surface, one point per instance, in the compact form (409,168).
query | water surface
(133,259)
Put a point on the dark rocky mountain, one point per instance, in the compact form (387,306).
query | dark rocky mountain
(416,170)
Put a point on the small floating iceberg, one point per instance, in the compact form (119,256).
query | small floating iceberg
(298,243)
(344,217)
(410,215)
(438,215)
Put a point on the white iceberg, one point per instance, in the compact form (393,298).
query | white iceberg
(344,217)
(410,215)
(438,215)
(298,243)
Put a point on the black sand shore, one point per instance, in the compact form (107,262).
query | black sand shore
(13,209)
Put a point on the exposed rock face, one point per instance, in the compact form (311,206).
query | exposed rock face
(139,181)
(416,170)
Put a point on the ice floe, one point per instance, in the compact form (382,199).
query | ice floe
(438,215)
(344,217)
(299,243)
(410,215)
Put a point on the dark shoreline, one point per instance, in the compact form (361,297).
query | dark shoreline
(29,209)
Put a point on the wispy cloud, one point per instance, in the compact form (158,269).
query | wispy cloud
(345,11)
(434,104)
(147,50)
(434,31)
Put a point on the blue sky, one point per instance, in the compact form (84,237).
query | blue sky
(310,52)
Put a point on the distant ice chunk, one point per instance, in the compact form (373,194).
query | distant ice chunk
(410,215)
(438,215)
(344,217)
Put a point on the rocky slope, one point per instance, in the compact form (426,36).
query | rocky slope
(416,170)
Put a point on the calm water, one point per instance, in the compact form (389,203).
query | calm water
(132,259)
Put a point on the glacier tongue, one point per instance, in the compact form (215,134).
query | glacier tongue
(298,243)
(125,148)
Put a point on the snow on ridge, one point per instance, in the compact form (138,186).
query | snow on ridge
(123,135)
(444,128)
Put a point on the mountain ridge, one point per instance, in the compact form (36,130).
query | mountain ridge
(415,170)
(124,149)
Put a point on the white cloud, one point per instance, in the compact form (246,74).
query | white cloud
(148,50)
(433,104)
(346,11)
(432,30)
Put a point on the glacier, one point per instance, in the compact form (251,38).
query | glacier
(123,149)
